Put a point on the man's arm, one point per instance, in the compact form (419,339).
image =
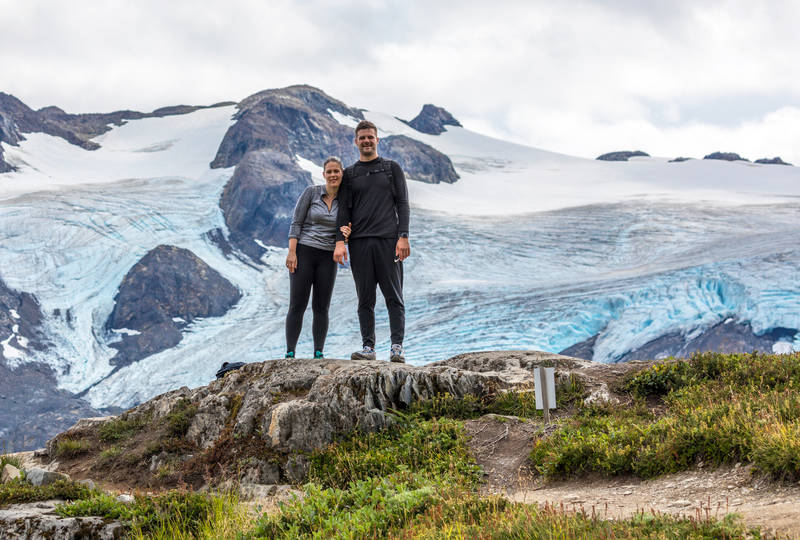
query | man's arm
(403,248)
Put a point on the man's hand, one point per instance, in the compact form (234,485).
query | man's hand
(340,253)
(403,250)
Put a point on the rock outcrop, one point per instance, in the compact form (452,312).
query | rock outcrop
(20,321)
(418,160)
(432,120)
(680,159)
(772,161)
(259,199)
(726,337)
(725,156)
(622,155)
(292,121)
(39,521)
(161,294)
(259,422)
(77,129)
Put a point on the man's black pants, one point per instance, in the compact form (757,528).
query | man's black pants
(372,263)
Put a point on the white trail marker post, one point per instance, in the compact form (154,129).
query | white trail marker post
(544,380)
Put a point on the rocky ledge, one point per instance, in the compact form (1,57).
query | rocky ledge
(161,294)
(259,423)
(725,156)
(622,155)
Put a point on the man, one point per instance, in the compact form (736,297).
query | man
(374,198)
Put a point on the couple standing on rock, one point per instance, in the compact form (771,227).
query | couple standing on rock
(367,205)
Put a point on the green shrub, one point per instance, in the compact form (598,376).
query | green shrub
(659,379)
(180,418)
(6,459)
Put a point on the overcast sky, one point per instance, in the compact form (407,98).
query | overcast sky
(579,77)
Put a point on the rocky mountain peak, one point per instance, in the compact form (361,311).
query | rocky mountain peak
(432,119)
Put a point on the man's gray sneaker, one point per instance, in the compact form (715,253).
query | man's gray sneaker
(396,354)
(367,353)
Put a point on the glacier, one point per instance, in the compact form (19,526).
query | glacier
(528,250)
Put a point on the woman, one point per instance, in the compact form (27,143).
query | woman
(312,237)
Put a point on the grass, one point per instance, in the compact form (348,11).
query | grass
(718,408)
(20,490)
(6,459)
(122,428)
(70,448)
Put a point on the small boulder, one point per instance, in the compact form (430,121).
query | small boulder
(623,155)
(9,473)
(125,498)
(41,477)
(725,156)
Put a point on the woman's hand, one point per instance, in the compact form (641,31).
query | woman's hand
(291,262)
(346,230)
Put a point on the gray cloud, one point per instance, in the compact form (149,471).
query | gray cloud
(579,77)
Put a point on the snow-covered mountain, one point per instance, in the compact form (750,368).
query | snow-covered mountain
(521,248)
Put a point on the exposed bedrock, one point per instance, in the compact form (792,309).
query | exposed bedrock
(432,120)
(291,121)
(259,199)
(622,155)
(725,337)
(162,293)
(77,129)
(284,409)
(772,161)
(725,156)
(418,160)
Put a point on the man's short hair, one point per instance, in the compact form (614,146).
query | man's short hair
(366,124)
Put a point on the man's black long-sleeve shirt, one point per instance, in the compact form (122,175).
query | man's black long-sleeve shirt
(375,212)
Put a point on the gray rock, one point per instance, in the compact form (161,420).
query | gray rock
(41,477)
(432,120)
(88,482)
(9,473)
(680,159)
(125,498)
(167,283)
(38,521)
(622,155)
(725,156)
(418,160)
(729,336)
(259,199)
(291,121)
(773,161)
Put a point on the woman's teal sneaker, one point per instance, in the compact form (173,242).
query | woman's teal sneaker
(318,355)
(289,354)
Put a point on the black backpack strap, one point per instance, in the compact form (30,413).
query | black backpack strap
(347,182)
(387,169)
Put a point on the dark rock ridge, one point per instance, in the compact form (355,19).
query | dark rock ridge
(432,120)
(726,337)
(292,121)
(424,162)
(162,293)
(20,320)
(258,200)
(622,155)
(77,129)
(773,161)
(32,408)
(725,156)
(680,159)
(258,423)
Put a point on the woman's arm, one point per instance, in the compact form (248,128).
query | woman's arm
(291,258)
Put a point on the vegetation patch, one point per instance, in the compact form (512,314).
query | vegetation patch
(180,418)
(122,428)
(718,408)
(69,448)
(20,490)
(6,459)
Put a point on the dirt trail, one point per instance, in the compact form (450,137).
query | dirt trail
(501,446)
